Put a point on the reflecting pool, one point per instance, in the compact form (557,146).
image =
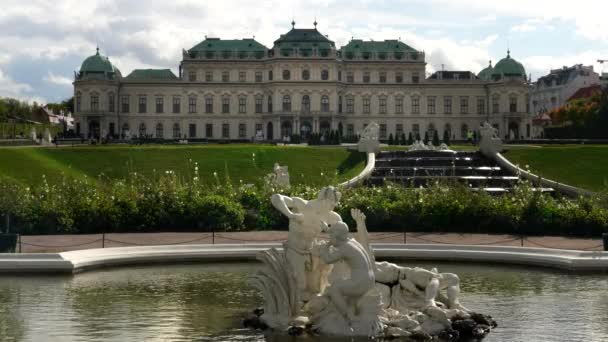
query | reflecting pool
(204,302)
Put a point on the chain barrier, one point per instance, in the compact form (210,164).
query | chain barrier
(170,244)
(245,240)
(60,246)
(470,244)
(600,246)
(387,236)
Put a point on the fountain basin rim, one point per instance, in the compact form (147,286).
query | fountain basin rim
(84,260)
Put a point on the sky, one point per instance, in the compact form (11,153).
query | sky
(42,43)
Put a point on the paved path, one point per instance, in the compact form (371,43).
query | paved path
(61,243)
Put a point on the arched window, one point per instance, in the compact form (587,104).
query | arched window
(142,130)
(325,103)
(160,131)
(176,131)
(111,102)
(287,103)
(464,129)
(306,75)
(324,75)
(269,104)
(286,75)
(305,103)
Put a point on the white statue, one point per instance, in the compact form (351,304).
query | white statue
(33,135)
(46,137)
(279,177)
(336,287)
(302,246)
(490,143)
(369,141)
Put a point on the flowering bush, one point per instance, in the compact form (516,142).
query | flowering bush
(167,202)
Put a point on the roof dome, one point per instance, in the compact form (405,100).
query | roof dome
(509,67)
(486,74)
(98,67)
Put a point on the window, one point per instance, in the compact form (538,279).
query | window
(209,76)
(142,104)
(448,130)
(382,131)
(495,103)
(259,129)
(111,102)
(305,103)
(431,105)
(431,130)
(209,130)
(242,104)
(383,105)
(306,75)
(349,77)
(225,104)
(225,76)
(325,103)
(142,130)
(415,105)
(366,105)
(399,105)
(324,75)
(160,131)
(447,105)
(481,105)
(464,129)
(177,132)
(242,76)
(383,77)
(270,75)
(464,105)
(286,75)
(258,76)
(350,104)
(192,104)
(124,103)
(398,131)
(339,104)
(79,102)
(160,105)
(340,75)
(350,130)
(416,131)
(513,104)
(192,76)
(242,130)
(398,77)
(94,103)
(176,104)
(259,104)
(415,77)
(269,104)
(287,103)
(366,77)
(225,130)
(209,105)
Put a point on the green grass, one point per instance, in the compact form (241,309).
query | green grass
(584,166)
(315,166)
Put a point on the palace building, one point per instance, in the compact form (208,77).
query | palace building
(243,90)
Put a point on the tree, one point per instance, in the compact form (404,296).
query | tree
(446,137)
(391,140)
(410,139)
(402,139)
(426,138)
(435,138)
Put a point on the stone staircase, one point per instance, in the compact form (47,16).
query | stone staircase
(421,168)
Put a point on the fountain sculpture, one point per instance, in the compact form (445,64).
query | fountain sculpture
(335,287)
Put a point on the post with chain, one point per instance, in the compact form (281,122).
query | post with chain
(103,240)
(522,240)
(605,238)
(404,237)
(19,239)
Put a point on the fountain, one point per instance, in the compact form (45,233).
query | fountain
(336,287)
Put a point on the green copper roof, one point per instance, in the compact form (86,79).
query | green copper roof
(509,67)
(486,74)
(305,40)
(151,75)
(381,48)
(97,63)
(228,48)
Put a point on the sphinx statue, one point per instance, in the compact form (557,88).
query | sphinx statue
(369,140)
(489,143)
(336,287)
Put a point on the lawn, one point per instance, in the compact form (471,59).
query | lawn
(315,166)
(584,166)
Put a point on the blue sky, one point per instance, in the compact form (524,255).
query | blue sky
(42,43)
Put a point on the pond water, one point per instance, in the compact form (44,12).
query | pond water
(202,302)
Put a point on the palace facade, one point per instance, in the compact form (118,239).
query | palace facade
(242,90)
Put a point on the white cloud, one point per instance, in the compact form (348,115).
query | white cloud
(523,28)
(541,65)
(11,88)
(58,80)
